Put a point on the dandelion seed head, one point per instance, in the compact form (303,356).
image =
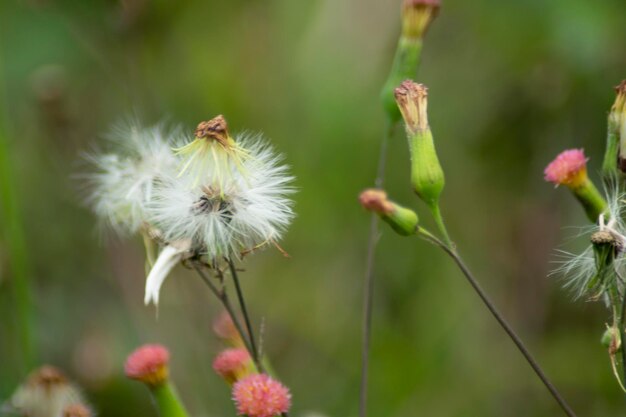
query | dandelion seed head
(46,393)
(229,212)
(123,181)
(148,364)
(261,396)
(567,168)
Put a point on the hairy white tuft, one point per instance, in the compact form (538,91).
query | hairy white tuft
(124,180)
(235,209)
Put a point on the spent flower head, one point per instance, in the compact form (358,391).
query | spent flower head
(259,395)
(600,266)
(148,364)
(125,178)
(231,204)
(46,393)
(417,15)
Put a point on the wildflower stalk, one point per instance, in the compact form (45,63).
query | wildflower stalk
(450,251)
(14,235)
(244,311)
(368,289)
(222,296)
(441,225)
(167,400)
(622,335)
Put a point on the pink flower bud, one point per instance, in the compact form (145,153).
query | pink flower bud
(233,364)
(260,396)
(568,168)
(148,364)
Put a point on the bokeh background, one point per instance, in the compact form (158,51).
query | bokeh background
(511,84)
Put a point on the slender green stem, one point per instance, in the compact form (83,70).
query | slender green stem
(368,289)
(223,297)
(622,334)
(11,223)
(501,320)
(441,225)
(244,311)
(168,401)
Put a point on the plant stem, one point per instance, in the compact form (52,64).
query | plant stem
(441,225)
(12,224)
(244,311)
(167,400)
(368,289)
(498,316)
(622,333)
(223,297)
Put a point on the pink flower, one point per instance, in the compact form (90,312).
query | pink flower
(568,168)
(232,364)
(259,395)
(148,364)
(376,201)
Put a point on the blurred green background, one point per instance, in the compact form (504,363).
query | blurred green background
(511,84)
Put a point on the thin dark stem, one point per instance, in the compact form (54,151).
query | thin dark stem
(369,276)
(223,297)
(505,325)
(622,335)
(244,311)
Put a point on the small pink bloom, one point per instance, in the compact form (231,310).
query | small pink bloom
(232,364)
(260,396)
(566,167)
(376,201)
(148,364)
(224,328)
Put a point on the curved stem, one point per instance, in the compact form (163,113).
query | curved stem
(498,316)
(441,225)
(244,311)
(369,275)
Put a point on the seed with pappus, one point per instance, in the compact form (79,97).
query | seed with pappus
(125,177)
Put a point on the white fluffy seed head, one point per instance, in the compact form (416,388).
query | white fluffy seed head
(124,180)
(236,209)
(578,270)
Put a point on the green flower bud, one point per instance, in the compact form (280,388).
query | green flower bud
(403,220)
(417,15)
(427,176)
(615,155)
(611,340)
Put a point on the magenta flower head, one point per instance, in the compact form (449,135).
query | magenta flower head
(568,168)
(148,364)
(259,395)
(233,364)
